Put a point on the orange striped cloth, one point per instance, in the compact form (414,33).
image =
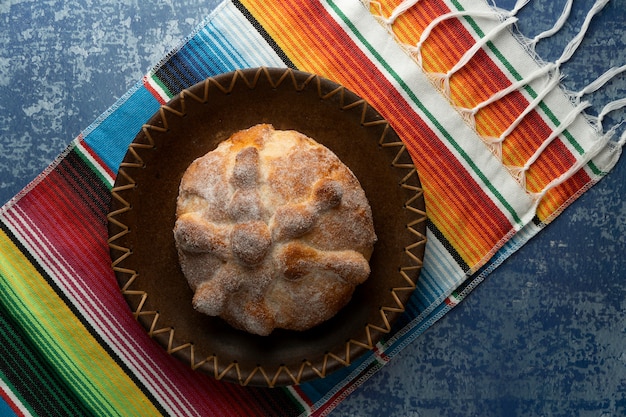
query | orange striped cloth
(501,150)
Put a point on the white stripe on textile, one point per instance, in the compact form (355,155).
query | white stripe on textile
(512,53)
(246,40)
(233,41)
(16,401)
(441,266)
(81,147)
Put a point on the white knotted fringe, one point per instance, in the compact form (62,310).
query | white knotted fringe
(597,84)
(469,54)
(397,12)
(551,71)
(580,163)
(416,50)
(554,69)
(612,106)
(495,144)
(518,6)
(573,45)
(510,89)
(401,8)
(558,25)
(520,172)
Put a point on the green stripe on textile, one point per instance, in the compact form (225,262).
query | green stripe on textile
(95,169)
(528,88)
(15,392)
(64,358)
(162,85)
(51,347)
(34,380)
(74,354)
(295,400)
(428,114)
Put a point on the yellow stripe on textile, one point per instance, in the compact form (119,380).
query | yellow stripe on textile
(79,359)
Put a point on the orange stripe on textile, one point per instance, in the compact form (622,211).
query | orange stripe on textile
(465,209)
(478,80)
(494,119)
(556,197)
(438,52)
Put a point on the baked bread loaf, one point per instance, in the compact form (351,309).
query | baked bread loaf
(272,231)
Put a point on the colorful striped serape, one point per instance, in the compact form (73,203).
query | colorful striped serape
(500,149)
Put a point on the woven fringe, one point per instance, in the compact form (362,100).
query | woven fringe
(549,71)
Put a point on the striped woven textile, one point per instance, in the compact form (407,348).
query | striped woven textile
(500,150)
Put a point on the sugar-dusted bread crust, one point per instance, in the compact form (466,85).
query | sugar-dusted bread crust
(272,231)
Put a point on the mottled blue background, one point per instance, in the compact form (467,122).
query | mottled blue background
(544,335)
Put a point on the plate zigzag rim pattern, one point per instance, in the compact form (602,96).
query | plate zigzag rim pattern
(232,371)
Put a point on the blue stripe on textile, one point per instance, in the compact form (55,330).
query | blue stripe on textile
(221,46)
(206,63)
(172,77)
(439,263)
(443,272)
(111,134)
(439,277)
(213,50)
(315,390)
(5,410)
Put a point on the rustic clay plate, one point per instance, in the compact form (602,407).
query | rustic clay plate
(142,217)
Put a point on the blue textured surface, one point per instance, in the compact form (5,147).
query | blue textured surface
(545,335)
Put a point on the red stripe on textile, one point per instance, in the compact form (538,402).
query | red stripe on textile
(474,202)
(469,195)
(78,237)
(562,194)
(468,88)
(12,405)
(440,53)
(495,118)
(101,164)
(478,80)
(152,90)
(553,161)
(464,194)
(302,395)
(96,298)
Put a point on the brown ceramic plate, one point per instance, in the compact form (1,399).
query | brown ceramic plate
(142,217)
